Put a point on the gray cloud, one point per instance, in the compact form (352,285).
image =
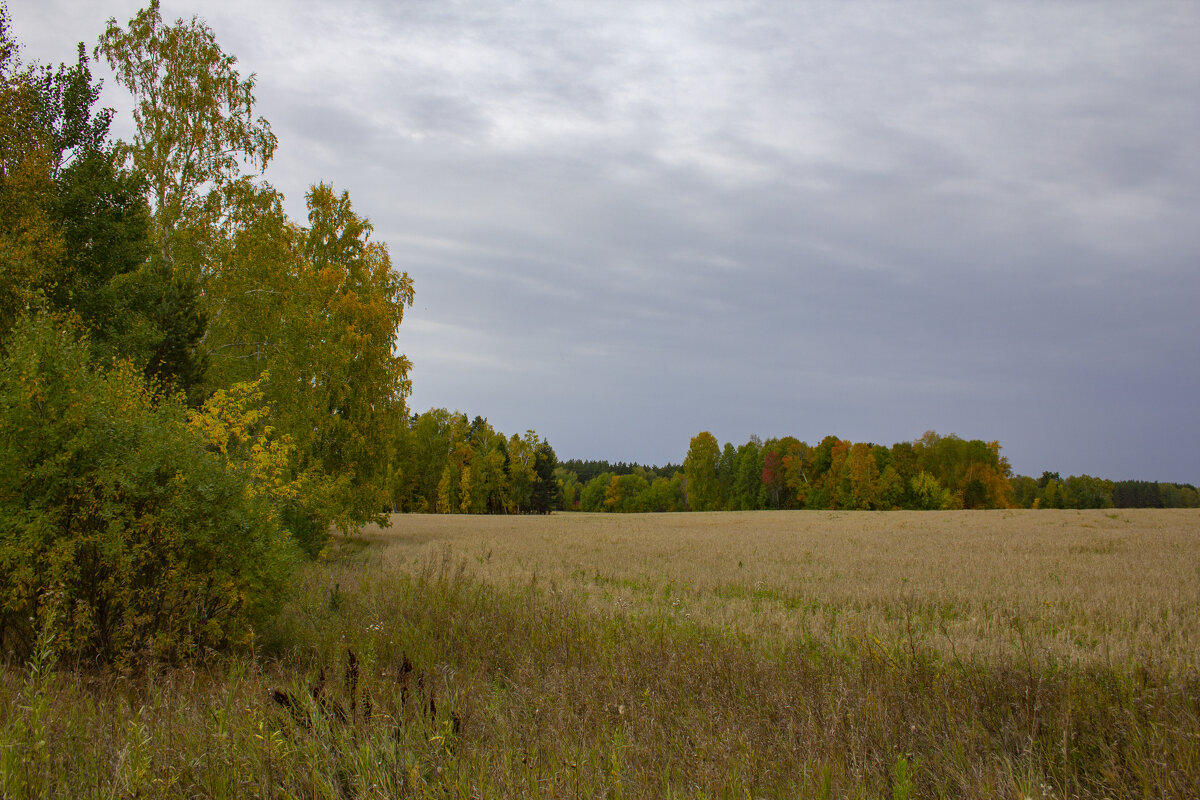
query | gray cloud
(631,222)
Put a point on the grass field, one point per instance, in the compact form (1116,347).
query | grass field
(763,654)
(1091,588)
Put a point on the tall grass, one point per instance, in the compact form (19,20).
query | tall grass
(432,664)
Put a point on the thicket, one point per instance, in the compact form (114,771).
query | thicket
(194,386)
(123,534)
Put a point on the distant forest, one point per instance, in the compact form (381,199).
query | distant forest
(933,472)
(446,462)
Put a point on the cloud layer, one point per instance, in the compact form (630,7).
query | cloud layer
(631,222)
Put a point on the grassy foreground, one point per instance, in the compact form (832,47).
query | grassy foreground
(767,654)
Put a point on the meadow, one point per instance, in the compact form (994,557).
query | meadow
(1006,654)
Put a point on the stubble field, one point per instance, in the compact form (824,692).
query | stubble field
(763,654)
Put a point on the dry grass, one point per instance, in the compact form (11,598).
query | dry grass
(1094,588)
(812,654)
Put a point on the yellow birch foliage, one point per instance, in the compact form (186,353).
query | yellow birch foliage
(30,245)
(234,423)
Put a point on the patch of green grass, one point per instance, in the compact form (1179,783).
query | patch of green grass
(1100,546)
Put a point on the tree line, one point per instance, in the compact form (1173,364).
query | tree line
(1083,491)
(193,386)
(933,472)
(586,470)
(444,464)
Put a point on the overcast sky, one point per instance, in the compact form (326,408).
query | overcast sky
(630,222)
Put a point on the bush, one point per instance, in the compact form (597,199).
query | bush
(117,519)
(235,424)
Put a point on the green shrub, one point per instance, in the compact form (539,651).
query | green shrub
(117,517)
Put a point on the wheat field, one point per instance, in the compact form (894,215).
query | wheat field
(1007,654)
(1093,588)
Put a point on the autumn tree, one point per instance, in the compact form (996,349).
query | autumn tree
(31,246)
(522,470)
(1085,491)
(315,306)
(592,496)
(700,471)
(75,226)
(858,478)
(546,491)
(423,446)
(726,475)
(195,133)
(486,487)
(797,465)
(972,470)
(665,494)
(194,116)
(447,463)
(627,493)
(48,128)
(747,486)
(348,383)
(774,471)
(928,494)
(569,488)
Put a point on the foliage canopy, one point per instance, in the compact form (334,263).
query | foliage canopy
(194,386)
(119,518)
